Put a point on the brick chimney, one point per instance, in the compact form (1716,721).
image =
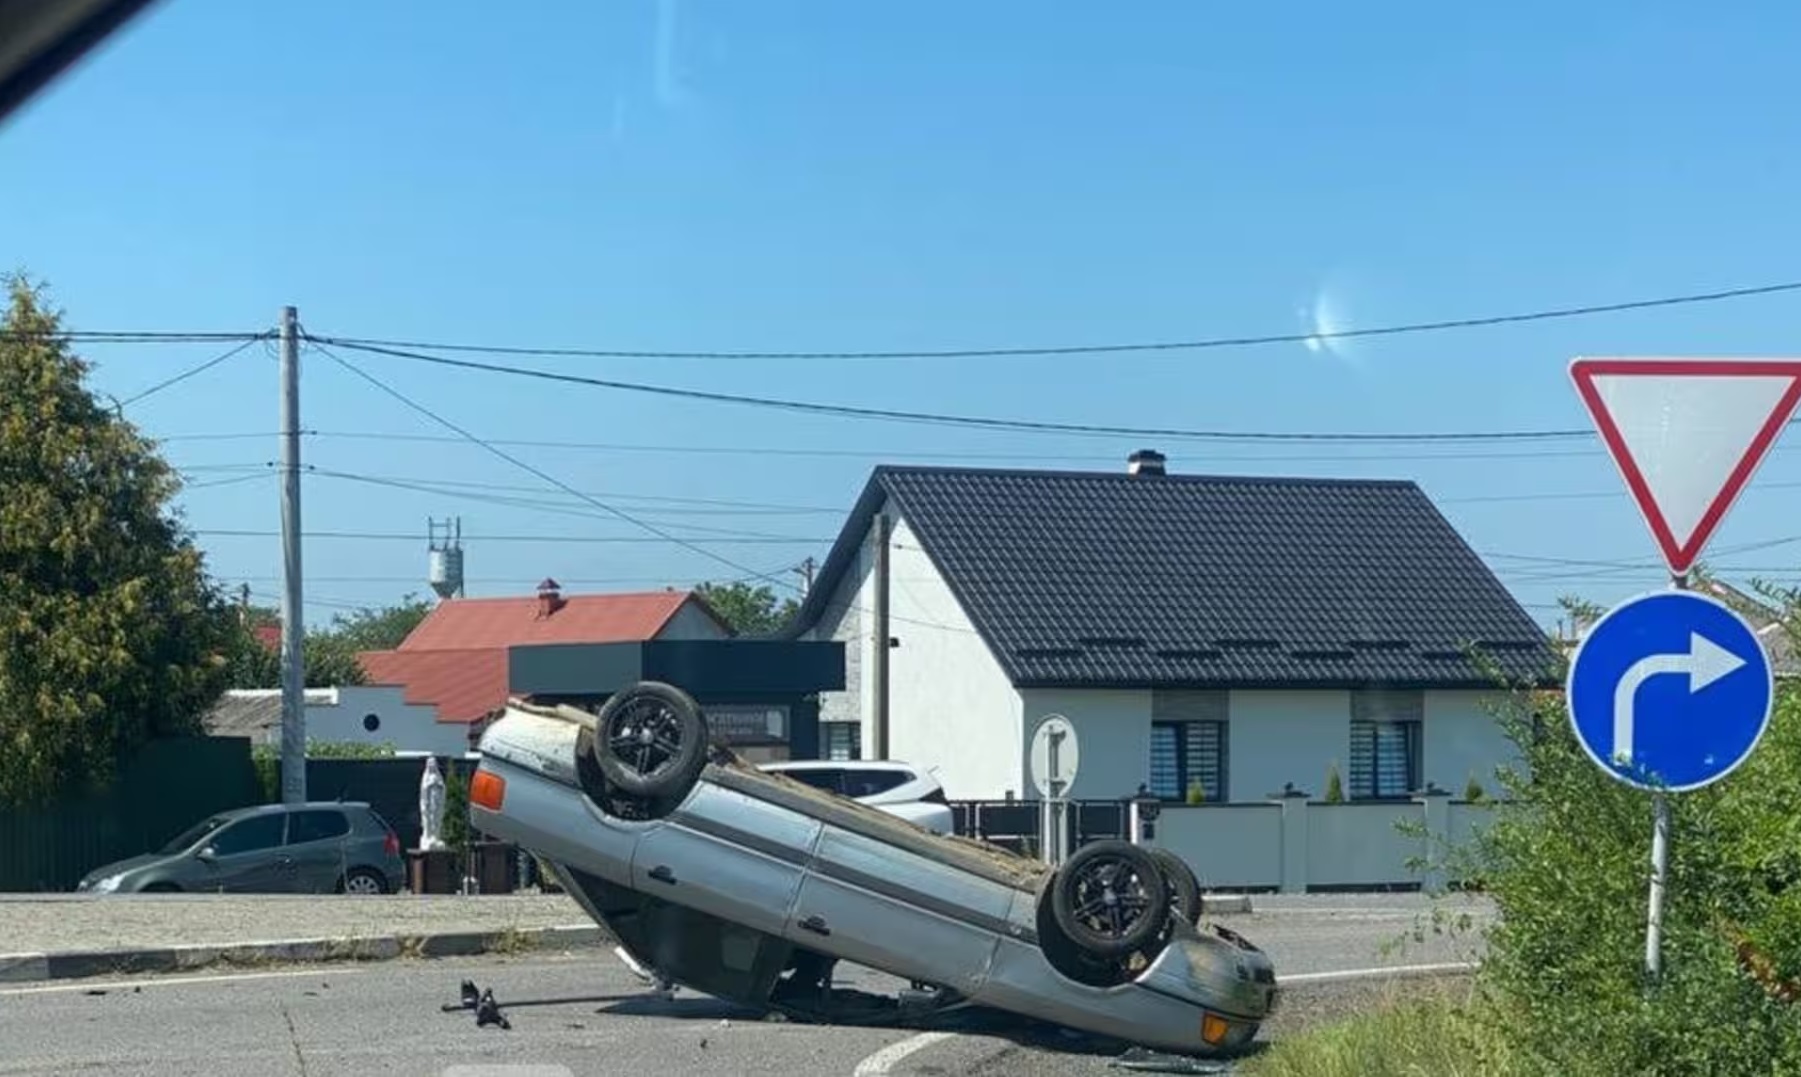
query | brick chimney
(1145,462)
(550,597)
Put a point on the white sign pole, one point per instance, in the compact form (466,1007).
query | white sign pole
(1660,859)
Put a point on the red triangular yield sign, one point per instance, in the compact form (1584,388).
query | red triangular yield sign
(1687,434)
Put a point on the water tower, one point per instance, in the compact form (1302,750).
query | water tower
(445,545)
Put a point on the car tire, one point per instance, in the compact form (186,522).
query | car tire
(362,881)
(650,741)
(1184,886)
(1110,880)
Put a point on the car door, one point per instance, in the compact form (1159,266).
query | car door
(248,857)
(892,909)
(315,844)
(728,854)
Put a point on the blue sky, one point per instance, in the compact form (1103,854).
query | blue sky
(815,176)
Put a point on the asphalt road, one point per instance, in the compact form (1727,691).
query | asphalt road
(384,1018)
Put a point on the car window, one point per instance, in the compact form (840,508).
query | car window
(305,826)
(187,838)
(818,777)
(250,835)
(867,783)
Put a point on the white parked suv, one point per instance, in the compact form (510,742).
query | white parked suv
(897,788)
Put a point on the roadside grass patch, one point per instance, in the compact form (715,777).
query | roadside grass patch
(1411,1032)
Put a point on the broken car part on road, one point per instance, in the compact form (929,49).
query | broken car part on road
(751,887)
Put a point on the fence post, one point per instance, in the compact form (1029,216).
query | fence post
(1294,838)
(1437,805)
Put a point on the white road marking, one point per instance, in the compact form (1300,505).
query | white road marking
(1375,973)
(170,981)
(884,1061)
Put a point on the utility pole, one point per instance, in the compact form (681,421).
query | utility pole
(806,577)
(293,662)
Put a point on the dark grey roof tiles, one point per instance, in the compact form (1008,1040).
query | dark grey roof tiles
(1110,579)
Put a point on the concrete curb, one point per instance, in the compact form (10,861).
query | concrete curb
(1216,904)
(26,968)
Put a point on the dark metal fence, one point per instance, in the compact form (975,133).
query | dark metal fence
(169,786)
(1013,824)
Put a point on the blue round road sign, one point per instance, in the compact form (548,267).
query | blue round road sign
(1670,690)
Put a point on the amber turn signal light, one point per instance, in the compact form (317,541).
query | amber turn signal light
(1214,1029)
(487,789)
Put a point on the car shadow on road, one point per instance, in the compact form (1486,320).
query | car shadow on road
(1021,1032)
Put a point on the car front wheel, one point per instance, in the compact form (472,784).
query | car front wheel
(1110,898)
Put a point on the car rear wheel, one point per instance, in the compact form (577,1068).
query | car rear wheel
(363,881)
(1184,887)
(1110,898)
(651,741)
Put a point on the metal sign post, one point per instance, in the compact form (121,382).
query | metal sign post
(1053,758)
(1671,691)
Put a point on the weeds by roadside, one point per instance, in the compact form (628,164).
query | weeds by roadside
(1414,1031)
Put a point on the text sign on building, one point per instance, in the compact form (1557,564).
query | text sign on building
(747,723)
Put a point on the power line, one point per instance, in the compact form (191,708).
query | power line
(130,336)
(779,580)
(874,454)
(186,374)
(403,536)
(539,505)
(1094,349)
(521,464)
(967,421)
(708,506)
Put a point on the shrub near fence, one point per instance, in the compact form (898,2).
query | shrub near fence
(169,786)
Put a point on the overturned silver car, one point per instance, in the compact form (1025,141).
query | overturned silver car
(751,886)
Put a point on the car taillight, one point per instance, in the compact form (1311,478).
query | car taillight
(390,844)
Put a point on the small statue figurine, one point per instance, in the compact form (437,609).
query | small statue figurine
(431,806)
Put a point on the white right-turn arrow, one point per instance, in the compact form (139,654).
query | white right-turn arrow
(1705,663)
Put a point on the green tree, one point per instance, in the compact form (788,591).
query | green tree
(1334,785)
(331,652)
(748,610)
(110,632)
(329,662)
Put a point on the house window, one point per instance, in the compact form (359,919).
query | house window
(841,740)
(1387,742)
(1188,744)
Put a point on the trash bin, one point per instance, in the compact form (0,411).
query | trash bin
(493,862)
(431,871)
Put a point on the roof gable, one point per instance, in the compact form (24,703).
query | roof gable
(1109,579)
(466,623)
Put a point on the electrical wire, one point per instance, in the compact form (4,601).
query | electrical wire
(749,572)
(1097,349)
(545,506)
(403,536)
(188,373)
(965,421)
(131,336)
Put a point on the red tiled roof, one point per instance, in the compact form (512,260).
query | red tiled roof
(464,684)
(466,623)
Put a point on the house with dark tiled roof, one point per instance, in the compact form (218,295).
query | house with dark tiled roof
(1228,633)
(455,660)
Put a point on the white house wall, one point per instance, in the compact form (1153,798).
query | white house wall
(1113,737)
(1274,737)
(843,621)
(690,622)
(406,726)
(1463,738)
(950,705)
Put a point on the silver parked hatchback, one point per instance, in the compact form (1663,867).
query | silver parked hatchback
(751,886)
(310,848)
